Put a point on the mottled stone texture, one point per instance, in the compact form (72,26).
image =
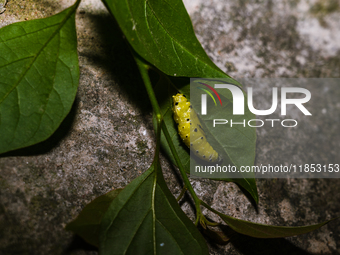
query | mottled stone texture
(107,139)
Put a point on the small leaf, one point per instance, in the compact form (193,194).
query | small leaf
(88,221)
(266,231)
(160,31)
(146,219)
(39,76)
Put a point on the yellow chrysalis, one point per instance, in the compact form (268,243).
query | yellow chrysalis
(191,126)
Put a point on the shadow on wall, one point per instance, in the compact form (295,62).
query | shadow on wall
(244,244)
(51,142)
(117,61)
(258,246)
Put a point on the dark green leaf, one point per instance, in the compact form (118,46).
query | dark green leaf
(266,231)
(39,76)
(146,219)
(88,221)
(247,183)
(161,32)
(236,145)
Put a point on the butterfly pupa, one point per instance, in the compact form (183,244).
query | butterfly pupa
(190,129)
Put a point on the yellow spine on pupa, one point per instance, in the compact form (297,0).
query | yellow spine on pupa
(189,126)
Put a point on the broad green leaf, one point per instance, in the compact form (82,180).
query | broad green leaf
(266,231)
(161,32)
(146,219)
(236,145)
(88,221)
(39,77)
(164,91)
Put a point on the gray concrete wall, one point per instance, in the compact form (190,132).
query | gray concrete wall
(107,139)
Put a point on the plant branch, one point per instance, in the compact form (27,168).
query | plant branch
(143,68)
(183,173)
(182,193)
(209,208)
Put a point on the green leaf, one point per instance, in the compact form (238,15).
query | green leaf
(247,183)
(164,91)
(39,77)
(236,145)
(266,231)
(161,32)
(146,219)
(88,221)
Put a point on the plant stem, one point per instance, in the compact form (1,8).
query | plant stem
(183,173)
(143,68)
(182,193)
(209,208)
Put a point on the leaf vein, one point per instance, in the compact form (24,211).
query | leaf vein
(181,46)
(170,234)
(61,24)
(134,235)
(16,37)
(174,212)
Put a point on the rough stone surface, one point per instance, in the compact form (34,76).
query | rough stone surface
(107,139)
